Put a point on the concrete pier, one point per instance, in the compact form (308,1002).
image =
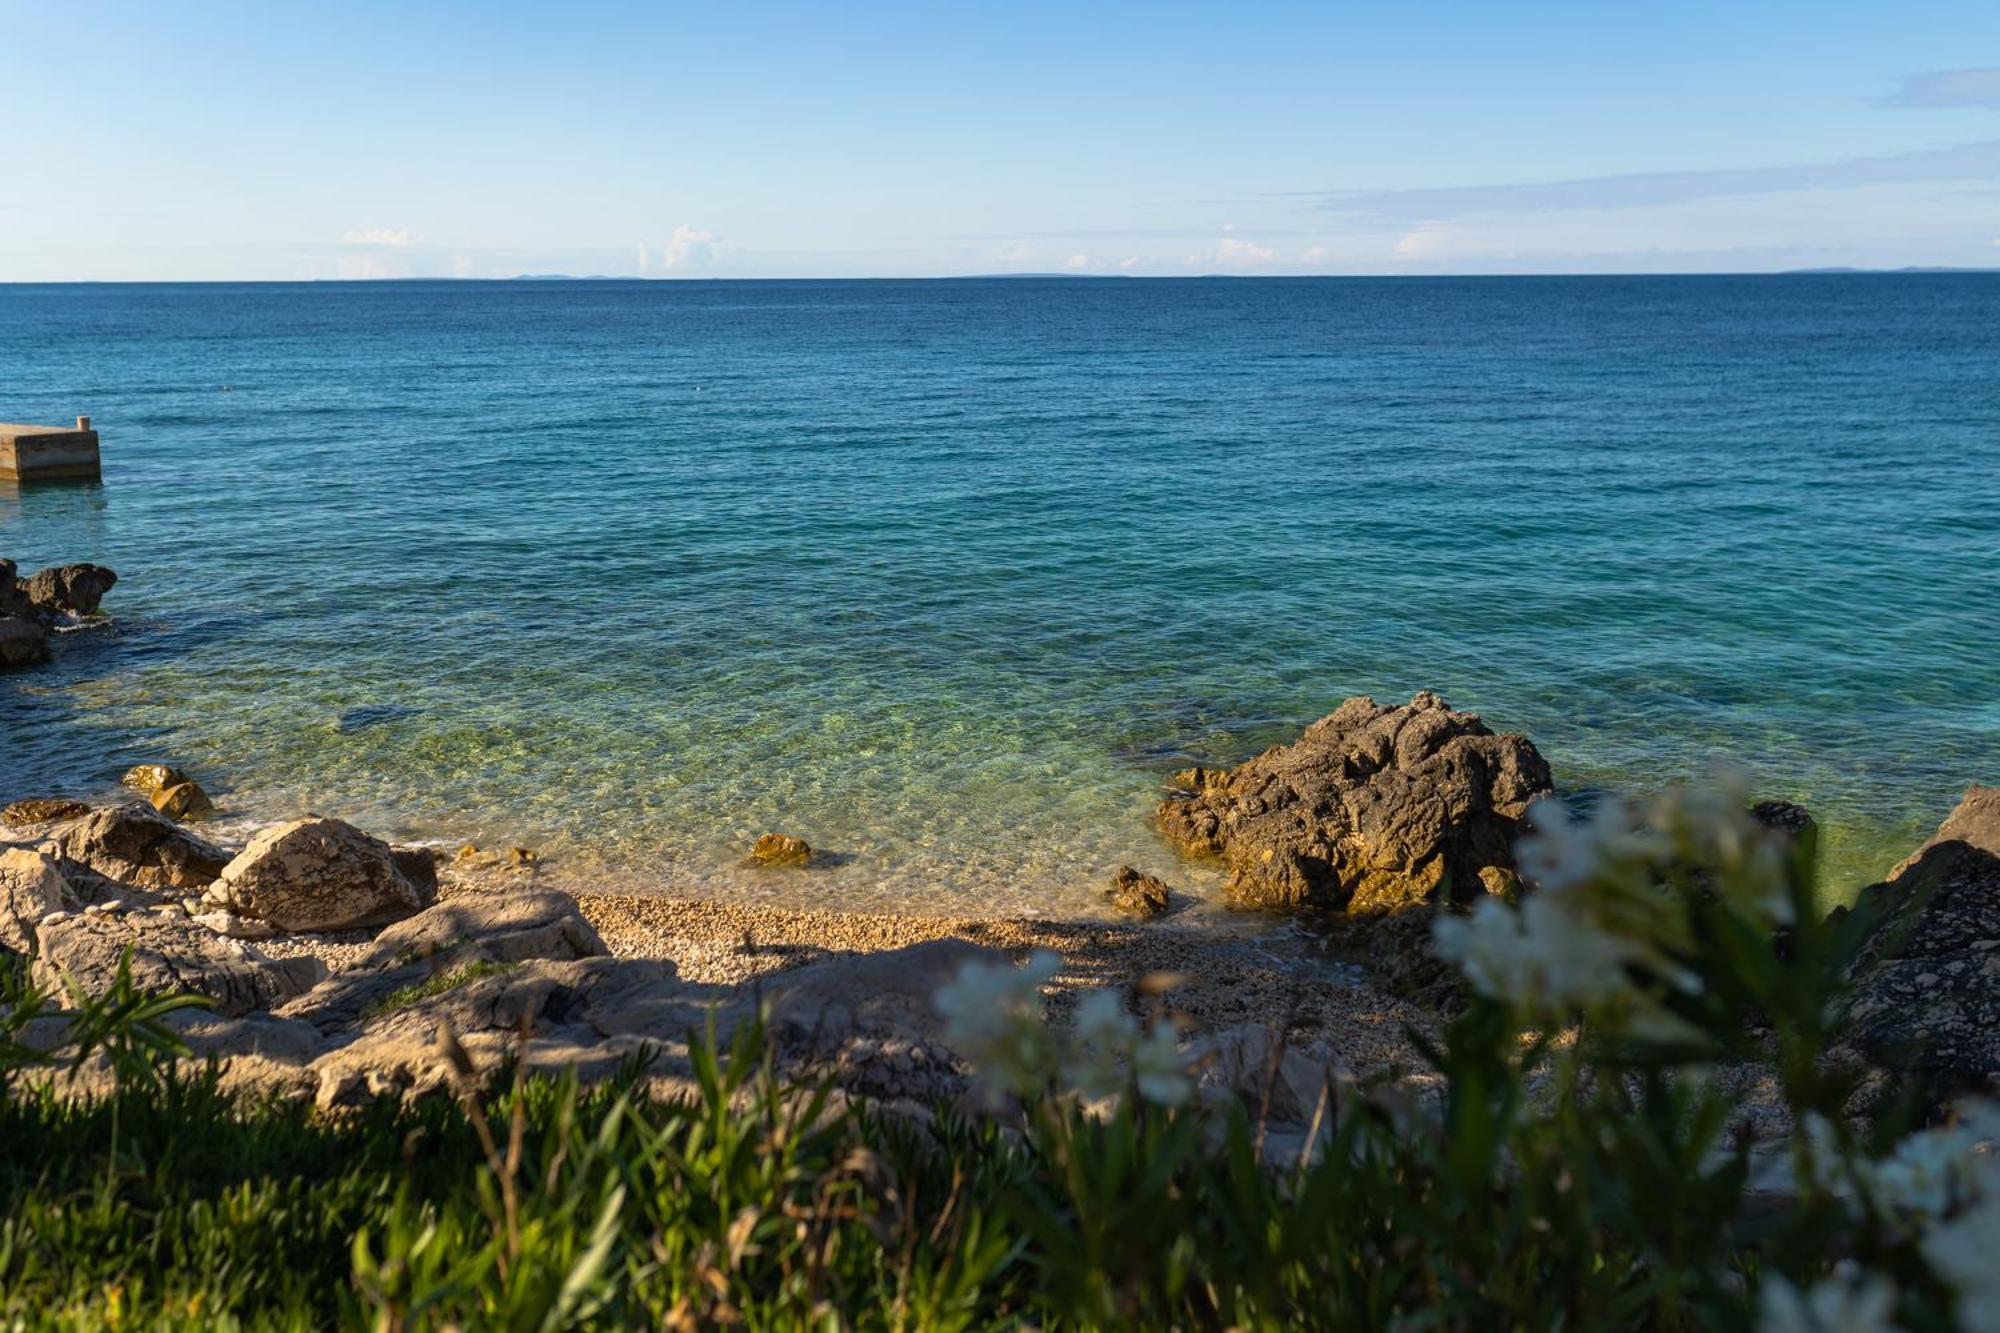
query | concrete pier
(49,453)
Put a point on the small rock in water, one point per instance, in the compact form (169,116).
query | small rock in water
(471,855)
(368,715)
(183,801)
(41,810)
(1137,893)
(151,779)
(781,849)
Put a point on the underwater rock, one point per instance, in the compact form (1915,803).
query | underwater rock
(1137,894)
(1372,810)
(150,779)
(781,849)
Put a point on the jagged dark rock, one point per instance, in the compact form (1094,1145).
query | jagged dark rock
(1928,998)
(1372,810)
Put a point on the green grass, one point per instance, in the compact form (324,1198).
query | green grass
(417,992)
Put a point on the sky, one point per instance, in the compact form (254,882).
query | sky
(191,140)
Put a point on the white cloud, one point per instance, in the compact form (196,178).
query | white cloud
(1232,252)
(1314,254)
(1424,241)
(1132,261)
(689,247)
(396,238)
(1077,263)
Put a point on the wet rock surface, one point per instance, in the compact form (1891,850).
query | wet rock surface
(1374,809)
(36,811)
(780,849)
(29,606)
(68,589)
(1137,894)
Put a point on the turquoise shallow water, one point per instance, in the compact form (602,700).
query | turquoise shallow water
(945,575)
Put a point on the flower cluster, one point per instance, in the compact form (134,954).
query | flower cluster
(1847,1302)
(1602,930)
(993,1017)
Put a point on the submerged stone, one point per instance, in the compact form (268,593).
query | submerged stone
(781,849)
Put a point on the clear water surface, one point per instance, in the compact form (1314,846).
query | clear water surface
(944,576)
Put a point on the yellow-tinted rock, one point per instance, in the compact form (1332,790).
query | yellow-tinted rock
(183,800)
(781,849)
(146,779)
(41,810)
(1137,893)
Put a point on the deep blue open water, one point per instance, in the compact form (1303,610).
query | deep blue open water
(945,575)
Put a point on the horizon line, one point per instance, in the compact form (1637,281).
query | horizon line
(1907,270)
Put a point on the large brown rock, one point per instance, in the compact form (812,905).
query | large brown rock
(1928,998)
(316,874)
(135,844)
(170,956)
(31,887)
(1372,810)
(71,589)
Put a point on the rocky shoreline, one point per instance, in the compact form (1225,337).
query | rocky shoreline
(340,967)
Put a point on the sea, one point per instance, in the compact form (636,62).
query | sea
(947,576)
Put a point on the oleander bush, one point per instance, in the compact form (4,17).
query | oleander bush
(1574,1166)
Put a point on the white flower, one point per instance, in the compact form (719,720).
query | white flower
(1927,1174)
(1843,1303)
(1160,1070)
(1545,954)
(1103,1033)
(1965,1253)
(1561,851)
(993,1017)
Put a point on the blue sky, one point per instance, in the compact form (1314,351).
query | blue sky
(191,140)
